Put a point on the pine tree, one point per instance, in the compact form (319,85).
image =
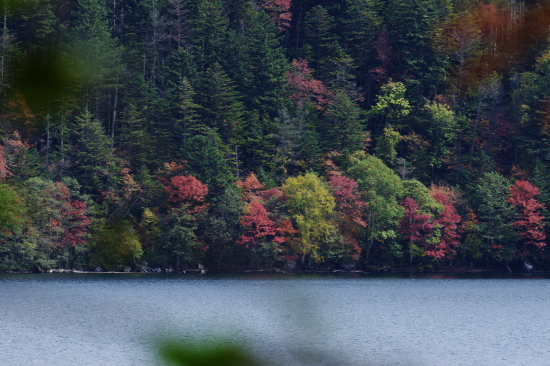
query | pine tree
(207,161)
(268,66)
(97,55)
(209,32)
(411,29)
(91,155)
(222,111)
(186,120)
(342,129)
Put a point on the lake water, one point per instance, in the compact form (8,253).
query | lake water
(107,319)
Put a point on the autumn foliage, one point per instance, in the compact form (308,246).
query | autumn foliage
(305,87)
(4,169)
(447,221)
(258,227)
(251,187)
(188,190)
(530,224)
(415,226)
(71,220)
(279,11)
(353,209)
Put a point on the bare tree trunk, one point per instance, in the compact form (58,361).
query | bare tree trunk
(115,106)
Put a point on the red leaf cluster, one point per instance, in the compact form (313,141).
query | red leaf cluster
(530,225)
(352,206)
(71,220)
(188,190)
(251,187)
(348,198)
(4,168)
(279,11)
(305,87)
(448,221)
(258,226)
(415,225)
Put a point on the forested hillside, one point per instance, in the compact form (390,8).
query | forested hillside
(274,134)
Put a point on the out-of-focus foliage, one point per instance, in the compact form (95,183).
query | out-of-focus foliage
(212,354)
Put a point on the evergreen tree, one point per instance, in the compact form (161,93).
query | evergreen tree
(268,66)
(207,161)
(91,155)
(209,32)
(496,216)
(412,30)
(342,129)
(222,110)
(97,56)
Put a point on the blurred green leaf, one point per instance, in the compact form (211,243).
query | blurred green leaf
(216,354)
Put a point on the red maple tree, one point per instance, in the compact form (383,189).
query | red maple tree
(448,221)
(530,224)
(188,190)
(71,220)
(251,187)
(258,227)
(305,87)
(352,207)
(279,11)
(415,226)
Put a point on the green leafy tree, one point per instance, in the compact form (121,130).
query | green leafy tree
(392,105)
(386,146)
(16,251)
(443,130)
(116,246)
(382,190)
(312,206)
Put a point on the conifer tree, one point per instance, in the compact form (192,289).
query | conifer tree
(209,32)
(496,216)
(187,116)
(91,155)
(268,66)
(207,161)
(97,54)
(221,109)
(342,129)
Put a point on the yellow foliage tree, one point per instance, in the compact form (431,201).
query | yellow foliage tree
(312,207)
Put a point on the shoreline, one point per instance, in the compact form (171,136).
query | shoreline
(195,271)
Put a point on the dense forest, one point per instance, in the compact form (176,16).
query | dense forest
(274,134)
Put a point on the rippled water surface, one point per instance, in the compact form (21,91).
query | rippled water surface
(105,319)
